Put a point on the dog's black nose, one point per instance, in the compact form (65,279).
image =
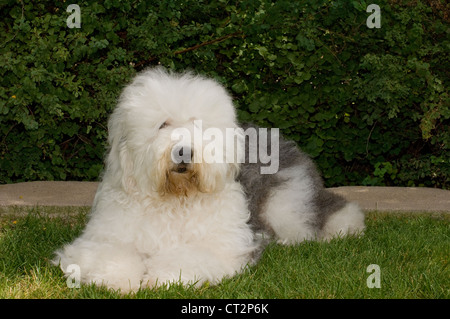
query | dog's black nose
(181,168)
(181,154)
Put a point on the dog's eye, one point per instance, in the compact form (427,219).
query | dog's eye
(163,125)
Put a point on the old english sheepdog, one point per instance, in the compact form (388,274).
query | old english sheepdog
(188,195)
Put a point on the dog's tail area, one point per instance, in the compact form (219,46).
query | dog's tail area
(348,220)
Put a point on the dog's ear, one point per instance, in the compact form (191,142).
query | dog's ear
(119,165)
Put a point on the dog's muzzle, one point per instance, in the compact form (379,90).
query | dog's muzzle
(181,158)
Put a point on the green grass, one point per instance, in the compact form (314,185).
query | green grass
(412,251)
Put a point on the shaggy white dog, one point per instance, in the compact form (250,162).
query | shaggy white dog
(174,206)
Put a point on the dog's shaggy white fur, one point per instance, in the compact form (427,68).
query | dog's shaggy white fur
(157,221)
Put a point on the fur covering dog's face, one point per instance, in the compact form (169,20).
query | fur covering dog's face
(156,140)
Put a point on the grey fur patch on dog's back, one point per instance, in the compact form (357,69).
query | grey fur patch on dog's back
(258,187)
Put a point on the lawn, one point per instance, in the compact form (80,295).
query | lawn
(411,251)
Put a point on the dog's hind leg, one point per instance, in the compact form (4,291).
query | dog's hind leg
(289,212)
(349,220)
(301,209)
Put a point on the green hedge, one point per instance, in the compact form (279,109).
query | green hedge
(371,106)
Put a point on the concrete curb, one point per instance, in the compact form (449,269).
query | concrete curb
(48,194)
(410,199)
(407,199)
